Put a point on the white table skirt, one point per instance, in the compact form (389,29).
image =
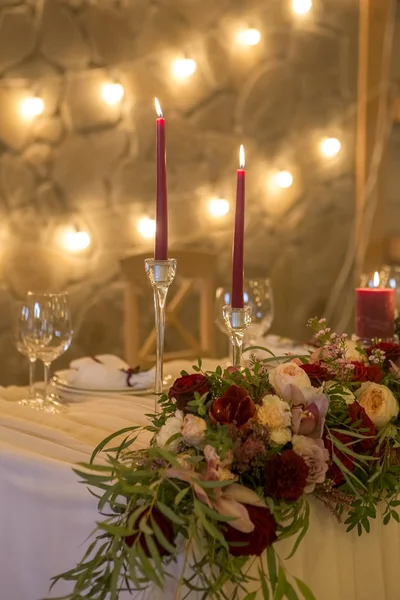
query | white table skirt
(45,515)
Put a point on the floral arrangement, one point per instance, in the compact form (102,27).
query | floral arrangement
(234,458)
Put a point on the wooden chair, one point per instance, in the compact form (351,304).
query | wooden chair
(196,272)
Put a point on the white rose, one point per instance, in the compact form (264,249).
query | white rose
(274,412)
(193,430)
(281,436)
(378,402)
(345,394)
(351,351)
(285,375)
(171,427)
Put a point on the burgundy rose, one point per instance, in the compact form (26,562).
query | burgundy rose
(391,350)
(285,476)
(254,543)
(374,373)
(358,415)
(360,371)
(184,388)
(163,523)
(334,472)
(234,407)
(317,372)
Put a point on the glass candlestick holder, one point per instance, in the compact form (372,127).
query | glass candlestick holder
(161,274)
(237,320)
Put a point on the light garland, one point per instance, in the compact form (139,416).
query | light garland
(146,227)
(112,93)
(31,107)
(75,240)
(330,147)
(248,37)
(183,68)
(301,7)
(284,179)
(218,207)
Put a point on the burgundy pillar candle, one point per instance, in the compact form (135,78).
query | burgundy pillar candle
(375,313)
(238,240)
(161,237)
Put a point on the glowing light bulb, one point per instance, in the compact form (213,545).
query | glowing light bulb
(31,107)
(183,67)
(75,241)
(376,279)
(301,7)
(249,37)
(112,93)
(146,227)
(330,147)
(284,179)
(218,207)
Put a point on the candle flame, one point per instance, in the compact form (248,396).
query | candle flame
(241,157)
(158,108)
(376,279)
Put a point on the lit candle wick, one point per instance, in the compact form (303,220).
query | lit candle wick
(241,156)
(158,108)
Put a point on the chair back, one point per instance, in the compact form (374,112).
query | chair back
(195,275)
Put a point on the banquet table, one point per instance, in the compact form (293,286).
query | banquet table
(46,515)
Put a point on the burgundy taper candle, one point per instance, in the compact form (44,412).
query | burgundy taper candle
(161,237)
(238,239)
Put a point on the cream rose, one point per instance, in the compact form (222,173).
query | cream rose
(193,430)
(274,412)
(285,375)
(351,351)
(345,393)
(281,436)
(378,402)
(171,427)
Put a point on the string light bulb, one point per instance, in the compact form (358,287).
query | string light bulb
(301,7)
(183,67)
(112,93)
(76,240)
(146,227)
(218,207)
(31,107)
(330,147)
(284,179)
(249,37)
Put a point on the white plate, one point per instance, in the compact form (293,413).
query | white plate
(71,391)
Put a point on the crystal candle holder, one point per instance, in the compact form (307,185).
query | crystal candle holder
(236,320)
(161,274)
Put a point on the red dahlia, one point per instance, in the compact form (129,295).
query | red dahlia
(285,476)
(254,543)
(358,415)
(360,371)
(374,373)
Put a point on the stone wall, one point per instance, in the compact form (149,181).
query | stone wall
(86,163)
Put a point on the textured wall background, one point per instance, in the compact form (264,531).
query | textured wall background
(85,162)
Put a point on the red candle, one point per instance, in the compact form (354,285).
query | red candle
(161,238)
(375,312)
(238,240)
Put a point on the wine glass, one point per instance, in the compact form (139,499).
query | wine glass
(22,348)
(257,293)
(46,332)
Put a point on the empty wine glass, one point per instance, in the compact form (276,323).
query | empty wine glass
(46,332)
(22,348)
(257,293)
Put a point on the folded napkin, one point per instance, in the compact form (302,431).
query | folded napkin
(107,372)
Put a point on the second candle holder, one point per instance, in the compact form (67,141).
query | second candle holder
(237,320)
(161,274)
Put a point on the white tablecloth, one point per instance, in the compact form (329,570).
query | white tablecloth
(45,515)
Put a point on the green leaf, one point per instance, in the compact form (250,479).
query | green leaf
(290,592)
(169,513)
(305,590)
(306,520)
(271,562)
(251,596)
(108,439)
(213,514)
(281,585)
(180,495)
(161,539)
(264,585)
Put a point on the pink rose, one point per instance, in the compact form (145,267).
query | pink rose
(315,456)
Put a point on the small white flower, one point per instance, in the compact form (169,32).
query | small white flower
(281,436)
(171,427)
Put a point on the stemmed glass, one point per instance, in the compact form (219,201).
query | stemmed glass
(258,295)
(21,347)
(46,332)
